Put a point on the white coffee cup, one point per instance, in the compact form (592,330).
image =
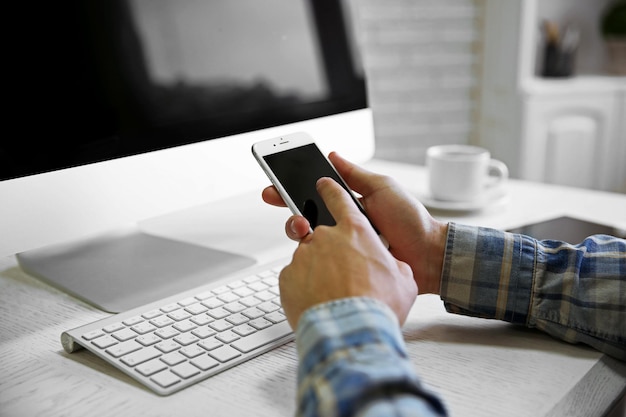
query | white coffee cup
(463,173)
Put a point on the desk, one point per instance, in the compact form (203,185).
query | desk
(480,367)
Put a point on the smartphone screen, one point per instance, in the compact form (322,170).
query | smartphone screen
(298,170)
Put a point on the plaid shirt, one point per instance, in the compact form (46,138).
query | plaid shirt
(353,359)
(353,362)
(575,293)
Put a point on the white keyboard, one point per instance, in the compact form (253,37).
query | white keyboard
(173,343)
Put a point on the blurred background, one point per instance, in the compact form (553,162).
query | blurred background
(473,71)
(540,83)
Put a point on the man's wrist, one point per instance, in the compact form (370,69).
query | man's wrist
(435,257)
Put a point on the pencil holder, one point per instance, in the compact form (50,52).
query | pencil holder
(558,62)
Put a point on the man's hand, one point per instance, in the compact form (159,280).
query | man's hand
(345,260)
(414,236)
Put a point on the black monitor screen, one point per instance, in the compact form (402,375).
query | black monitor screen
(112,78)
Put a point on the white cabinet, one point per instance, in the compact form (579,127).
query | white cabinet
(569,131)
(572,133)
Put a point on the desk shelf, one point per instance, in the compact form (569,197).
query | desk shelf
(567,131)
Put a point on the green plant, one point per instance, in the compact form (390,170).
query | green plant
(613,22)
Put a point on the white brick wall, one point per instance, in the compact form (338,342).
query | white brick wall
(421,61)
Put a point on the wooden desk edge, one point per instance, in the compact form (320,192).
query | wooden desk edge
(598,392)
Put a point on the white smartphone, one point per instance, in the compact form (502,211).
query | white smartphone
(293,164)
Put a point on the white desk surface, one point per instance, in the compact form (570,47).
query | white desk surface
(480,367)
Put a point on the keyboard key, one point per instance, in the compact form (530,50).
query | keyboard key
(227,336)
(276,317)
(243,292)
(203,332)
(266,274)
(170,307)
(224,353)
(271,281)
(185,370)
(228,297)
(204,295)
(133,320)
(187,301)
(123,349)
(251,279)
(202,319)
(262,337)
(161,321)
(173,358)
(257,286)
(93,334)
(275,290)
(213,302)
(236,284)
(218,313)
(250,301)
(221,290)
(151,367)
(265,296)
(185,326)
(167,332)
(124,334)
(210,343)
(141,356)
(237,319)
(220,325)
(260,323)
(244,330)
(113,327)
(151,314)
(148,339)
(168,346)
(235,307)
(143,328)
(205,362)
(104,342)
(253,313)
(267,307)
(192,351)
(165,379)
(186,339)
(196,309)
(179,315)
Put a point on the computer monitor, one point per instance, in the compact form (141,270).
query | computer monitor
(146,108)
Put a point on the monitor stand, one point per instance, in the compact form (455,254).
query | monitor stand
(128,268)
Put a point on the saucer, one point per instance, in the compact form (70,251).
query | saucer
(491,199)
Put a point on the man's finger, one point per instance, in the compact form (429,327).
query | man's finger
(297,228)
(358,179)
(271,196)
(336,198)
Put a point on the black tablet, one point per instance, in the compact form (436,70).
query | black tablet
(567,229)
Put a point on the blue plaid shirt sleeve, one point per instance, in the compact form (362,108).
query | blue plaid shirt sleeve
(353,362)
(576,293)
